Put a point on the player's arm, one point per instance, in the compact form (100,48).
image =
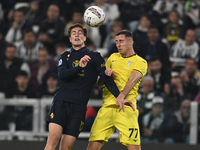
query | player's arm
(64,72)
(134,78)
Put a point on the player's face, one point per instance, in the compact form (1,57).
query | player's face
(123,44)
(77,37)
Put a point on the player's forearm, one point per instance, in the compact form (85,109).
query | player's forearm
(110,84)
(64,73)
(129,86)
(134,78)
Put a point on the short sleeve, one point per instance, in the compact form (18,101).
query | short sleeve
(141,67)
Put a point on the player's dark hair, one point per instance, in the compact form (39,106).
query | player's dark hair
(127,33)
(77,25)
(22,73)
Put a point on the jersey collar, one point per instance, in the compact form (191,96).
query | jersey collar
(130,56)
(80,50)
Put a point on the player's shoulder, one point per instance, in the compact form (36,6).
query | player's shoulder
(65,53)
(93,52)
(138,59)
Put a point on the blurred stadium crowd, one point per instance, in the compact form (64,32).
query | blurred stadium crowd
(33,33)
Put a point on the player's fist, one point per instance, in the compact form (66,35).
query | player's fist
(84,60)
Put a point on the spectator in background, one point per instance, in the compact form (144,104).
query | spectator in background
(19,23)
(22,116)
(171,29)
(154,47)
(190,77)
(60,48)
(67,8)
(174,95)
(41,69)
(152,122)
(184,49)
(178,126)
(52,85)
(110,38)
(140,34)
(28,48)
(9,66)
(160,74)
(191,17)
(162,8)
(145,96)
(34,14)
(3,45)
(52,29)
(22,89)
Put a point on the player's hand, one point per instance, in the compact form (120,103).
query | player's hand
(84,60)
(110,72)
(121,101)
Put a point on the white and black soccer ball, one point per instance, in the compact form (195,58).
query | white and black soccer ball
(94,16)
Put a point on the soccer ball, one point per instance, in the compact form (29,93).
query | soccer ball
(94,16)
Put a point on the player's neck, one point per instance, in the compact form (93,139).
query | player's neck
(77,47)
(128,54)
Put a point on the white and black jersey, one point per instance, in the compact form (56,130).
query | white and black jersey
(28,53)
(180,52)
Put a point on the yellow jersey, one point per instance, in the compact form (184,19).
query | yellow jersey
(123,67)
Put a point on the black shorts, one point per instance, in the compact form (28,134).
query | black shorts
(69,115)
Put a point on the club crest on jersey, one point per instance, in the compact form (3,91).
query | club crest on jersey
(68,55)
(60,62)
(75,63)
(129,63)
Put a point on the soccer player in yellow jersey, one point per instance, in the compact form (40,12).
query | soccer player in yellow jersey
(127,70)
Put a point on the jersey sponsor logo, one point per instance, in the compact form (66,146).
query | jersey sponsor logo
(103,65)
(51,115)
(81,126)
(60,62)
(129,63)
(75,63)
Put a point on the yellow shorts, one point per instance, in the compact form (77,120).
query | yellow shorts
(109,118)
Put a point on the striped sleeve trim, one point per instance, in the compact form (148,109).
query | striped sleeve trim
(138,71)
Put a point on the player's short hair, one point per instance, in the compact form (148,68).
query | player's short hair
(127,33)
(77,25)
